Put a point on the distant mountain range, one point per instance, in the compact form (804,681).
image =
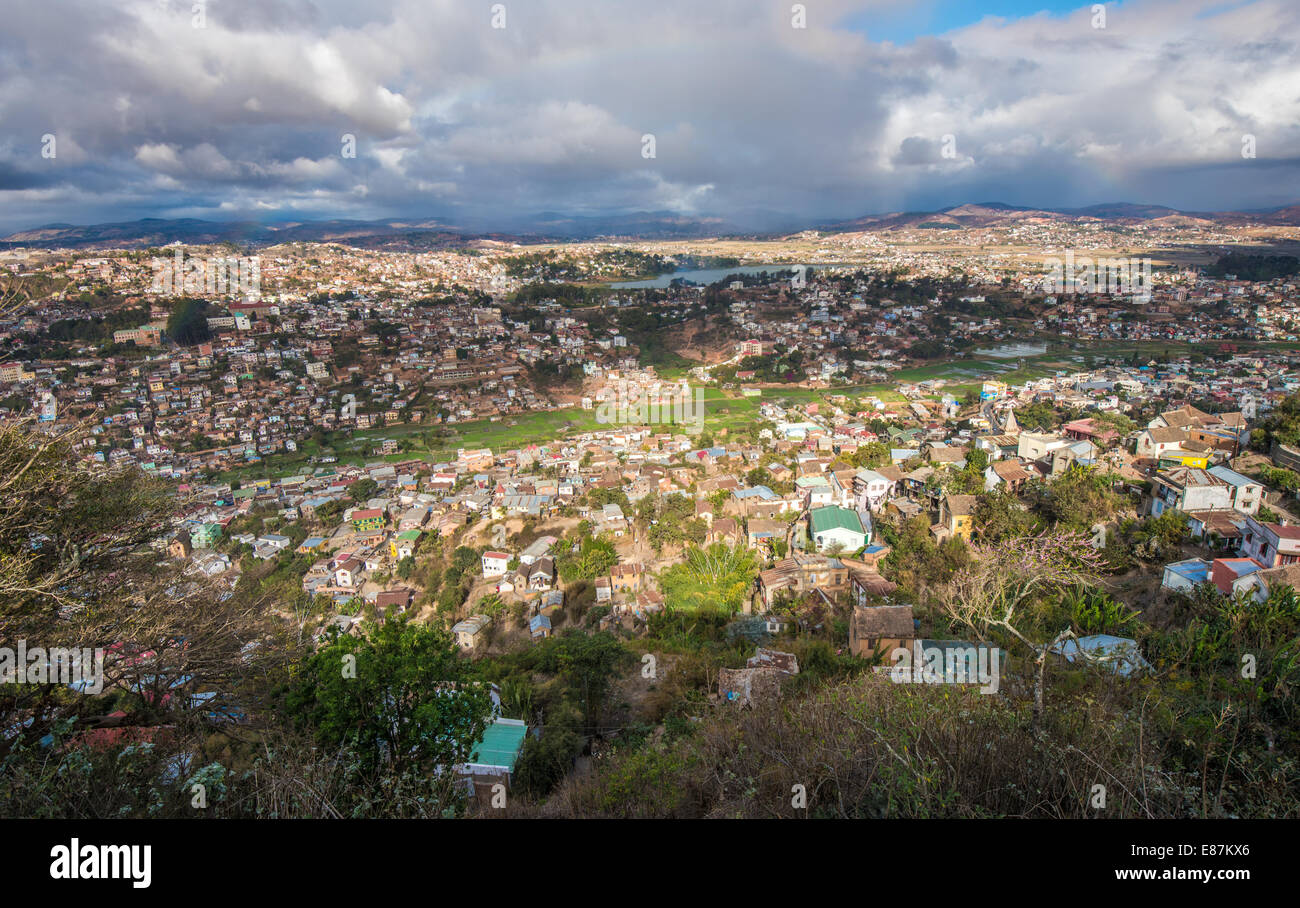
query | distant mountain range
(159,232)
(993,214)
(432,233)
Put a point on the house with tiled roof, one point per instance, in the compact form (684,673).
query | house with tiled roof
(1008,474)
(800,574)
(626,578)
(880,629)
(1271,544)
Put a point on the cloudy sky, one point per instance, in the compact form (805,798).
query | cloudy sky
(233,109)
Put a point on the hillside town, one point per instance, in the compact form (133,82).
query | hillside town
(809,455)
(356,342)
(363,525)
(434,413)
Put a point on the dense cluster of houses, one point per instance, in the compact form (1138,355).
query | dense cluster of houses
(818,532)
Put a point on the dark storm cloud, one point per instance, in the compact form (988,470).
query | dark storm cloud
(247,115)
(917,150)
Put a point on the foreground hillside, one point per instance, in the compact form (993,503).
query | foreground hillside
(868,748)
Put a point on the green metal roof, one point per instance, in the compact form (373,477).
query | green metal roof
(835,518)
(500,746)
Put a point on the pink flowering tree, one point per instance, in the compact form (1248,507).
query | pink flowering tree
(1008,581)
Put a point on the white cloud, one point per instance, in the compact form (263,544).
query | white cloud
(548,114)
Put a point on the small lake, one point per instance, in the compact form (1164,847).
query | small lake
(704,276)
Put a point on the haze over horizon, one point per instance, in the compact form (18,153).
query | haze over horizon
(876,106)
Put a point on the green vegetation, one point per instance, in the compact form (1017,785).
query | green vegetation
(350,729)
(1280,478)
(1248,267)
(774,367)
(670,519)
(1196,736)
(1076,500)
(394,697)
(188,322)
(916,561)
(716,579)
(999,515)
(571,701)
(608,264)
(96,329)
(1281,425)
(594,558)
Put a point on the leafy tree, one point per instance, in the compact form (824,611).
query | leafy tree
(188,322)
(759,477)
(588,662)
(327,512)
(1282,425)
(1076,500)
(397,695)
(1162,535)
(599,497)
(916,560)
(870,455)
(714,579)
(998,515)
(594,558)
(675,521)
(362,490)
(1038,414)
(1280,478)
(969,480)
(451,598)
(465,559)
(545,761)
(1120,422)
(1091,610)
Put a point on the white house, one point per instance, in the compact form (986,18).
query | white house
(1032,445)
(495,564)
(840,527)
(348,574)
(1154,442)
(1246,492)
(871,488)
(612,520)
